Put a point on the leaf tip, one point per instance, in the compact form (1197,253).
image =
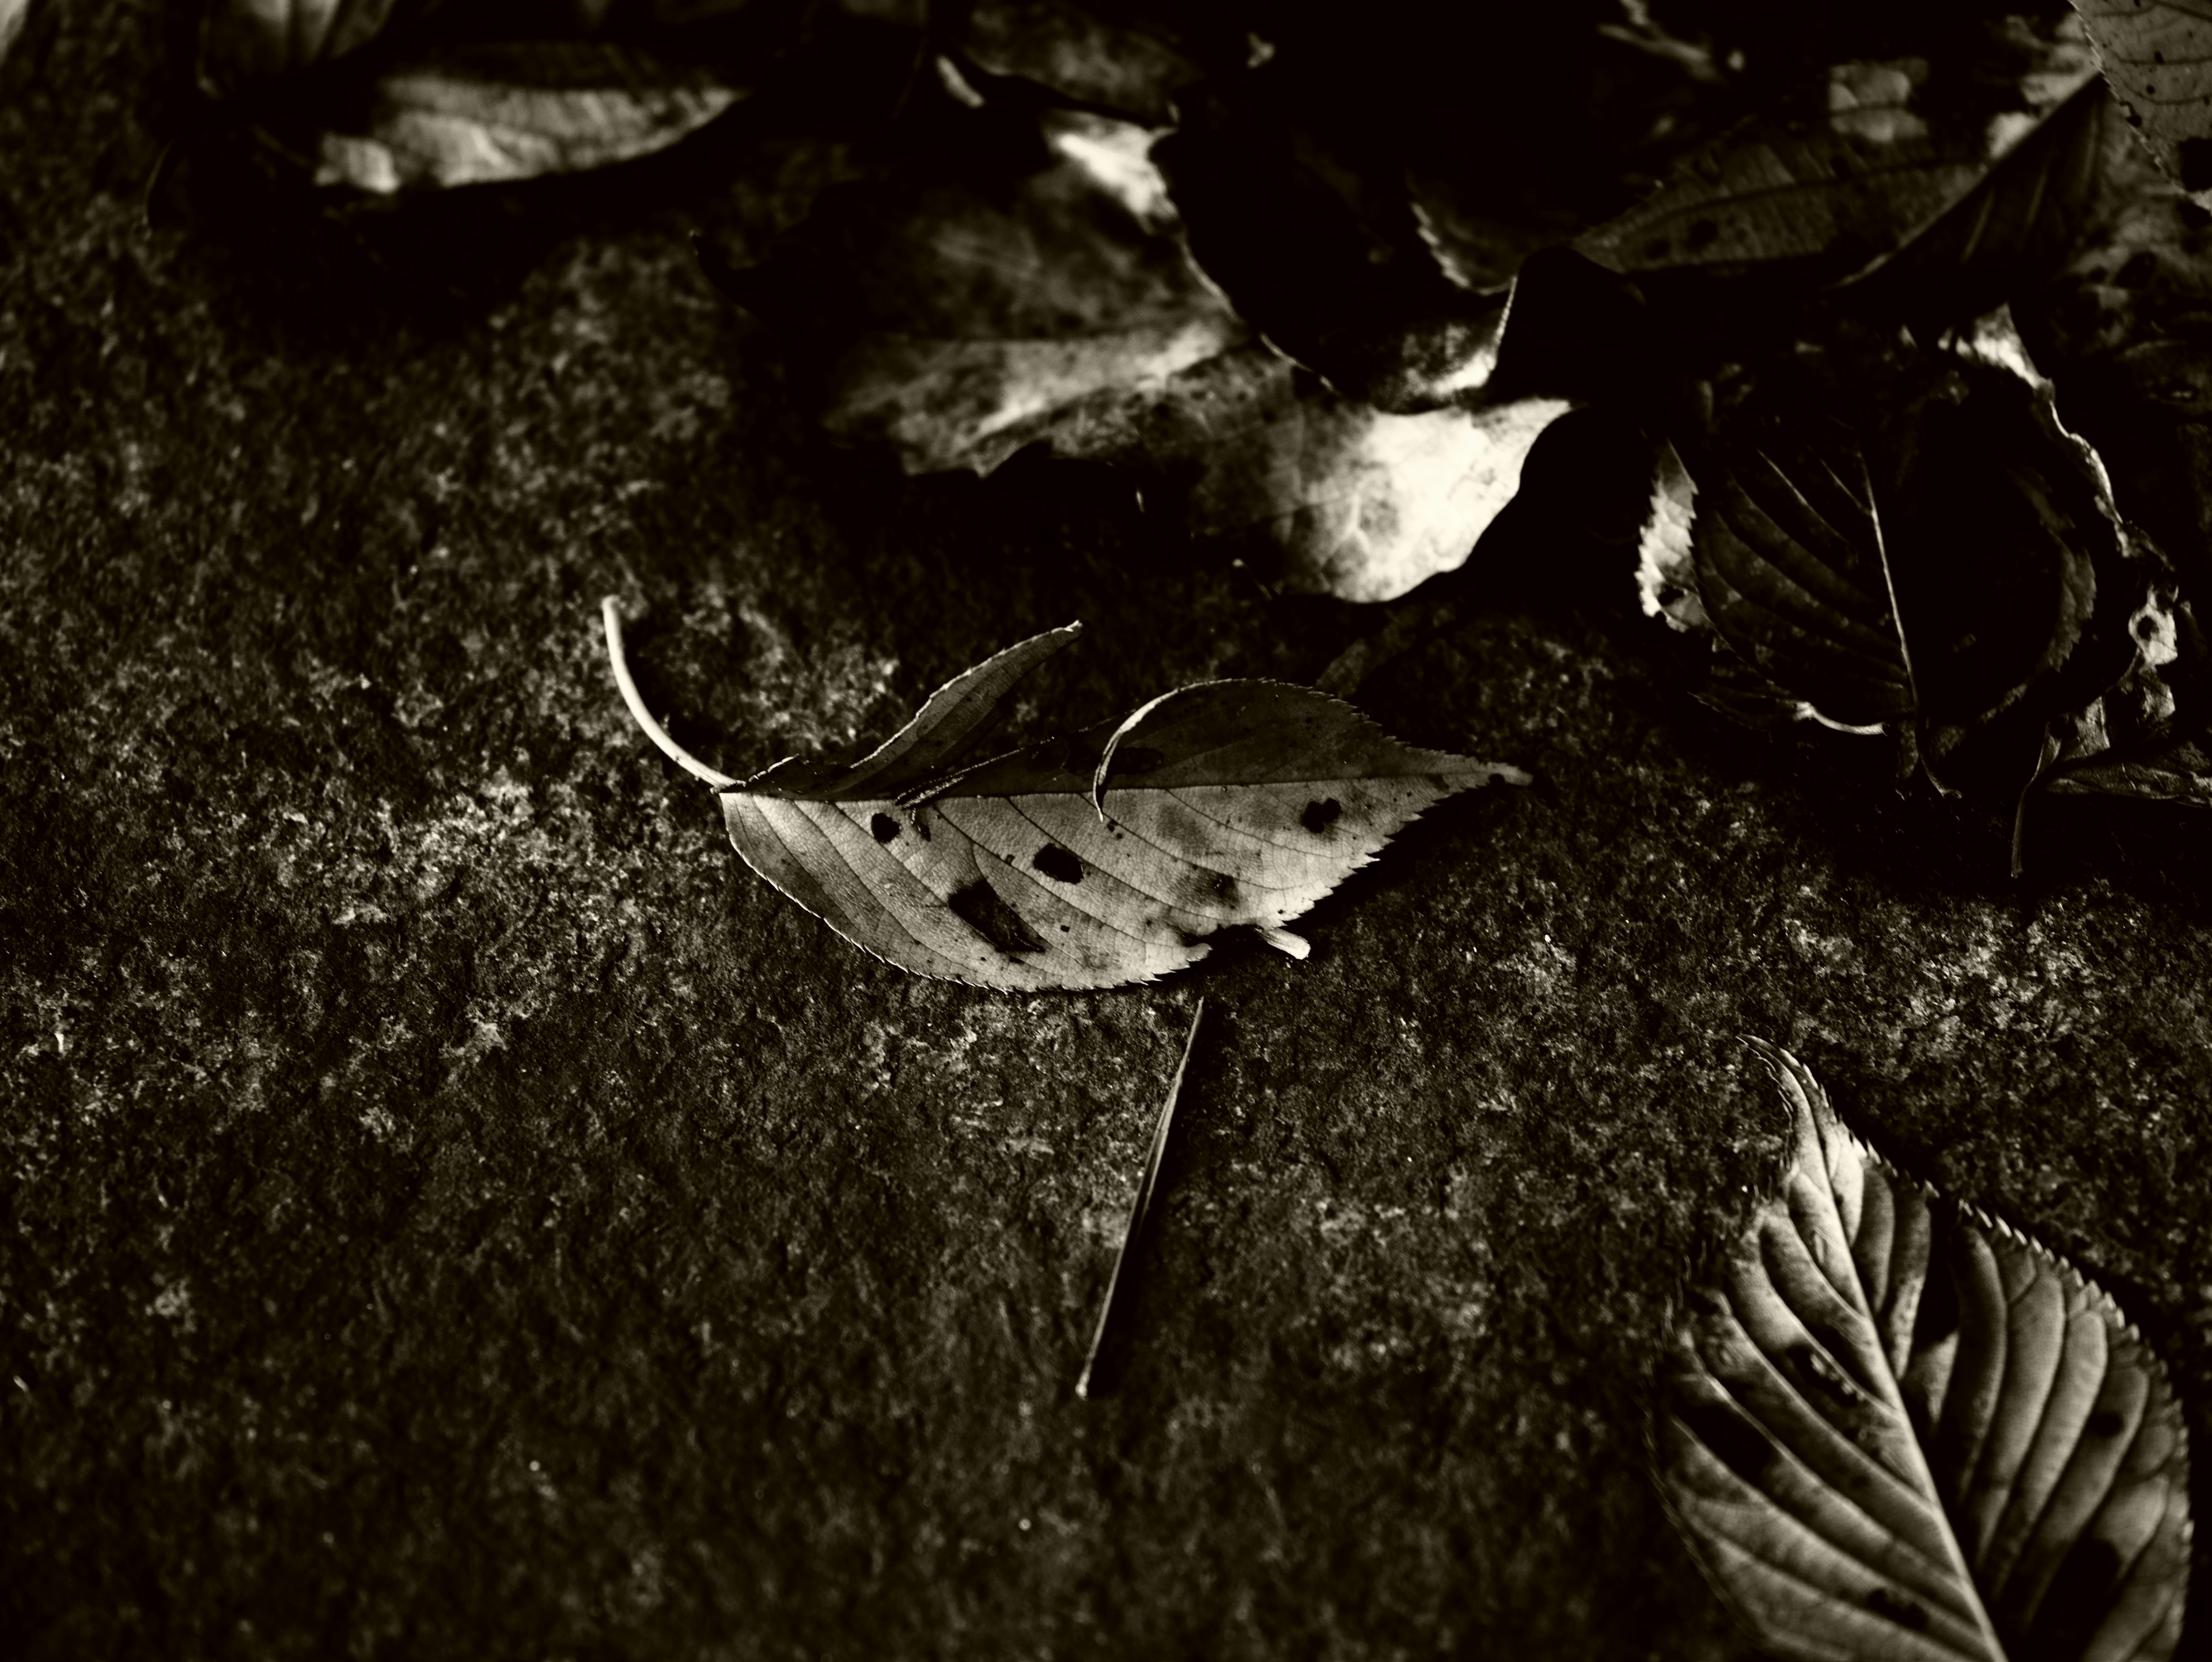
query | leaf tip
(1286,940)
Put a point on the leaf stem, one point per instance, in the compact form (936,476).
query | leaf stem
(674,751)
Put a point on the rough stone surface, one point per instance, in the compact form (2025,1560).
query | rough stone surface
(449,1206)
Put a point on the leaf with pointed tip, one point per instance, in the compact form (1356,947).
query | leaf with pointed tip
(485,114)
(1962,174)
(1364,505)
(1898,1429)
(1106,857)
(2158,56)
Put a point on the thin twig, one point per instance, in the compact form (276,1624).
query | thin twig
(1117,1289)
(674,751)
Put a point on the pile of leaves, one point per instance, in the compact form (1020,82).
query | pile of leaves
(1881,340)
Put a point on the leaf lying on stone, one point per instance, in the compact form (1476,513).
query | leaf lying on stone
(1965,171)
(960,318)
(2158,56)
(1898,1428)
(489,113)
(1107,857)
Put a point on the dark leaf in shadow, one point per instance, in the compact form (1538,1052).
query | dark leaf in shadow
(1873,164)
(961,313)
(1113,60)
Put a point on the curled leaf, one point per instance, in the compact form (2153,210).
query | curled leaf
(483,114)
(1109,856)
(1898,1428)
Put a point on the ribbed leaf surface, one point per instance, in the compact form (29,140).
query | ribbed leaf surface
(1898,1429)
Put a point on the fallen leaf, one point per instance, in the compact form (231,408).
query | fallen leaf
(483,114)
(1962,174)
(1899,1428)
(2156,53)
(243,42)
(1666,566)
(1365,505)
(1107,857)
(959,319)
(1318,247)
(1788,551)
(1129,65)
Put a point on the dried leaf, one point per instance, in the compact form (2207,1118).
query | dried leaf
(1131,65)
(1092,861)
(243,42)
(1364,505)
(1317,244)
(483,114)
(1790,568)
(1900,1429)
(1962,176)
(2158,56)
(962,318)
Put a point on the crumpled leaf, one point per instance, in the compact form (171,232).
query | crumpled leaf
(960,318)
(1898,1429)
(2158,56)
(1132,65)
(483,115)
(1965,177)
(1109,856)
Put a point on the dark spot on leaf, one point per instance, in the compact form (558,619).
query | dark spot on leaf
(2129,111)
(1903,1612)
(2105,1423)
(1055,862)
(1135,758)
(2195,164)
(1739,1444)
(978,906)
(1081,760)
(1703,232)
(2146,628)
(1320,816)
(1669,593)
(2157,56)
(2137,272)
(883,827)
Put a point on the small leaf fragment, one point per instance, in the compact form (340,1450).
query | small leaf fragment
(1898,1428)
(1109,856)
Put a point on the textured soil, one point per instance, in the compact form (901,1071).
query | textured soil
(449,1206)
